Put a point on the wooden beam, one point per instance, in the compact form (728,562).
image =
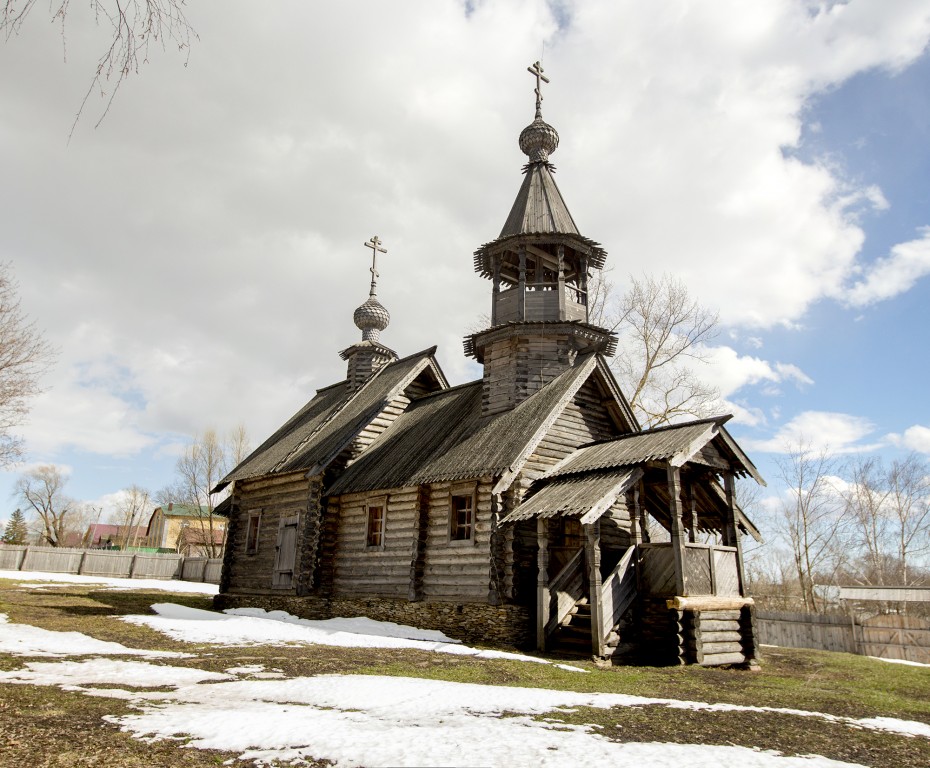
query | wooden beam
(707,603)
(678,535)
(732,530)
(542,581)
(593,557)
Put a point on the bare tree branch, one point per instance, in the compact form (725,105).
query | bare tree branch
(134,25)
(663,333)
(24,357)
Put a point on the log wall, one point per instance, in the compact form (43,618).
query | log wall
(384,570)
(457,570)
(274,497)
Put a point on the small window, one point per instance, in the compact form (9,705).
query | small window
(462,516)
(251,539)
(375,535)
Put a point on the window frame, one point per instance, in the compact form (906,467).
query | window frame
(252,543)
(468,491)
(376,502)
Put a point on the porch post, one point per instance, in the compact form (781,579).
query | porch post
(732,530)
(542,582)
(632,502)
(678,533)
(593,556)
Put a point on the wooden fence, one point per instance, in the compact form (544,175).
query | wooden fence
(887,636)
(116,564)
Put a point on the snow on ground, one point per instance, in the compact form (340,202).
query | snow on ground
(47,579)
(369,720)
(254,626)
(900,661)
(363,720)
(25,640)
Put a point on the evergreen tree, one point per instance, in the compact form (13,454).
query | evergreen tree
(15,531)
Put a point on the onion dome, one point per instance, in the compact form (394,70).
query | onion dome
(371,318)
(539,140)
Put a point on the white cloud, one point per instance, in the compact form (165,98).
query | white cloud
(730,372)
(915,438)
(894,274)
(834,433)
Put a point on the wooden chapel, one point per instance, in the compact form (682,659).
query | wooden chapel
(511,510)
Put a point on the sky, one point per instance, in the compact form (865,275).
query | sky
(196,257)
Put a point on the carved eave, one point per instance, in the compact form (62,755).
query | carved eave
(483,259)
(372,346)
(591,337)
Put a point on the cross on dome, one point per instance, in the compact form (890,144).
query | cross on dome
(374,242)
(537,71)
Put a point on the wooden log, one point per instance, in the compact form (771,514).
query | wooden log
(718,659)
(721,637)
(712,649)
(712,625)
(707,603)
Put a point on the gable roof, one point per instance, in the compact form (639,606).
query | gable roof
(322,429)
(676,443)
(443,437)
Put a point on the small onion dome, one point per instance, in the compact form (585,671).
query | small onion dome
(371,318)
(539,140)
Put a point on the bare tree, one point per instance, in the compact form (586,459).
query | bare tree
(812,518)
(866,500)
(663,335)
(135,25)
(131,509)
(24,357)
(42,490)
(909,499)
(202,465)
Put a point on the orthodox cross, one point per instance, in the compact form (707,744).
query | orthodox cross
(375,244)
(537,71)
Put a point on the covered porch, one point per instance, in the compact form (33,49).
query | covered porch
(608,587)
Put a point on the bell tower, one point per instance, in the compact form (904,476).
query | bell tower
(539,267)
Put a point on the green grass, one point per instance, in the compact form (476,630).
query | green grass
(45,726)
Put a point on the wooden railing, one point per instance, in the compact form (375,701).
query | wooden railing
(566,589)
(708,570)
(618,591)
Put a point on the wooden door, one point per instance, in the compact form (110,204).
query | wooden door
(285,552)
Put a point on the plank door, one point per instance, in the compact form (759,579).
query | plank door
(285,552)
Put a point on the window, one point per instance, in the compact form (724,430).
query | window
(462,516)
(251,538)
(375,534)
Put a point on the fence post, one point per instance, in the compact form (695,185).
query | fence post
(81,562)
(132,565)
(22,561)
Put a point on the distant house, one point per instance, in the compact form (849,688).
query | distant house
(186,529)
(109,536)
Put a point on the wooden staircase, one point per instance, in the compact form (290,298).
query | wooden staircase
(572,637)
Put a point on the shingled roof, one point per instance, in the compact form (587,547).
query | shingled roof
(539,206)
(444,438)
(676,443)
(584,496)
(320,430)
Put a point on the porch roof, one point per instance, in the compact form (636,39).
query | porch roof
(586,496)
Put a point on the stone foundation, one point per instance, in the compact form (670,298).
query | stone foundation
(506,625)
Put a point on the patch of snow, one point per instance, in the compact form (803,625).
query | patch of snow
(47,579)
(135,674)
(900,661)
(570,668)
(26,640)
(254,626)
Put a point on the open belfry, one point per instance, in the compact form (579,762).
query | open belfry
(513,510)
